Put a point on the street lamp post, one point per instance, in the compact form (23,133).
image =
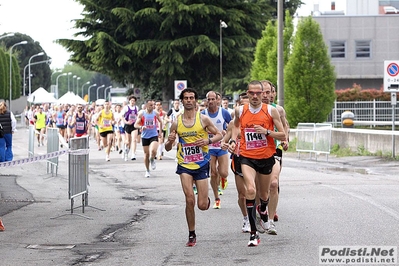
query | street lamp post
(23,42)
(56,83)
(7,35)
(222,25)
(69,73)
(98,89)
(105,92)
(56,71)
(29,77)
(83,86)
(77,85)
(88,89)
(73,82)
(35,63)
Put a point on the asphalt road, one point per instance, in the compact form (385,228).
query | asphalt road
(340,202)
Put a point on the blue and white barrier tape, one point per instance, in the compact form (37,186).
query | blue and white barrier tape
(43,157)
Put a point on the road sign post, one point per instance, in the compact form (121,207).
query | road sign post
(391,84)
(179,86)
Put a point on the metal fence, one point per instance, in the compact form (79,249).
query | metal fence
(372,111)
(313,138)
(52,146)
(31,141)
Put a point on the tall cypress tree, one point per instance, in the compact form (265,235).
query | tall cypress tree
(309,76)
(265,64)
(3,74)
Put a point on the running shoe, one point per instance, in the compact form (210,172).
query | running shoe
(107,158)
(1,226)
(223,183)
(271,228)
(153,165)
(254,240)
(192,241)
(147,174)
(275,218)
(217,204)
(195,190)
(133,157)
(263,215)
(220,192)
(246,227)
(260,225)
(120,151)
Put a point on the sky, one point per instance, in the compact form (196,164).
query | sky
(48,20)
(44,21)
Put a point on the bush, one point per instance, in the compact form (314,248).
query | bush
(358,94)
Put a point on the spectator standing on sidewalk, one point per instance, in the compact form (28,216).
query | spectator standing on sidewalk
(9,124)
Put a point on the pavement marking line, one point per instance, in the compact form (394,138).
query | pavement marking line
(51,247)
(382,207)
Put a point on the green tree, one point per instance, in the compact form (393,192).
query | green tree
(265,63)
(152,43)
(263,47)
(41,73)
(3,74)
(272,59)
(309,76)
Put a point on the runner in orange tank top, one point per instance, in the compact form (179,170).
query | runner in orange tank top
(256,121)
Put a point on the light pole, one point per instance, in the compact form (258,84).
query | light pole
(35,63)
(105,92)
(222,25)
(56,71)
(83,86)
(29,77)
(88,89)
(73,82)
(7,35)
(77,85)
(98,89)
(56,83)
(23,42)
(69,73)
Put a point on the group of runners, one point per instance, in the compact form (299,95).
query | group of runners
(255,133)
(205,134)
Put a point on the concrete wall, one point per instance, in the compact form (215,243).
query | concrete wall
(372,140)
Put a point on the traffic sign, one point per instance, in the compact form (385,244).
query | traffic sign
(179,86)
(391,76)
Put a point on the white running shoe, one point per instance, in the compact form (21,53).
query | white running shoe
(147,174)
(271,228)
(107,158)
(254,240)
(246,227)
(133,156)
(153,165)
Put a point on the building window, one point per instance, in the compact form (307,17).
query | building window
(337,49)
(363,49)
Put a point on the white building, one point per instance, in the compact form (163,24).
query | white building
(360,35)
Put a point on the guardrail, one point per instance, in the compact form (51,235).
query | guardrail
(313,138)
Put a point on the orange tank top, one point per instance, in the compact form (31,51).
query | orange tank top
(255,145)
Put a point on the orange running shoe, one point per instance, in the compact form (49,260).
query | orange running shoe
(223,183)
(2,226)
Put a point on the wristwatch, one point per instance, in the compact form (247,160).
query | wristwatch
(268,132)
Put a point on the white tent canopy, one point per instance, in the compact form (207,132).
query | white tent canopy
(41,96)
(70,98)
